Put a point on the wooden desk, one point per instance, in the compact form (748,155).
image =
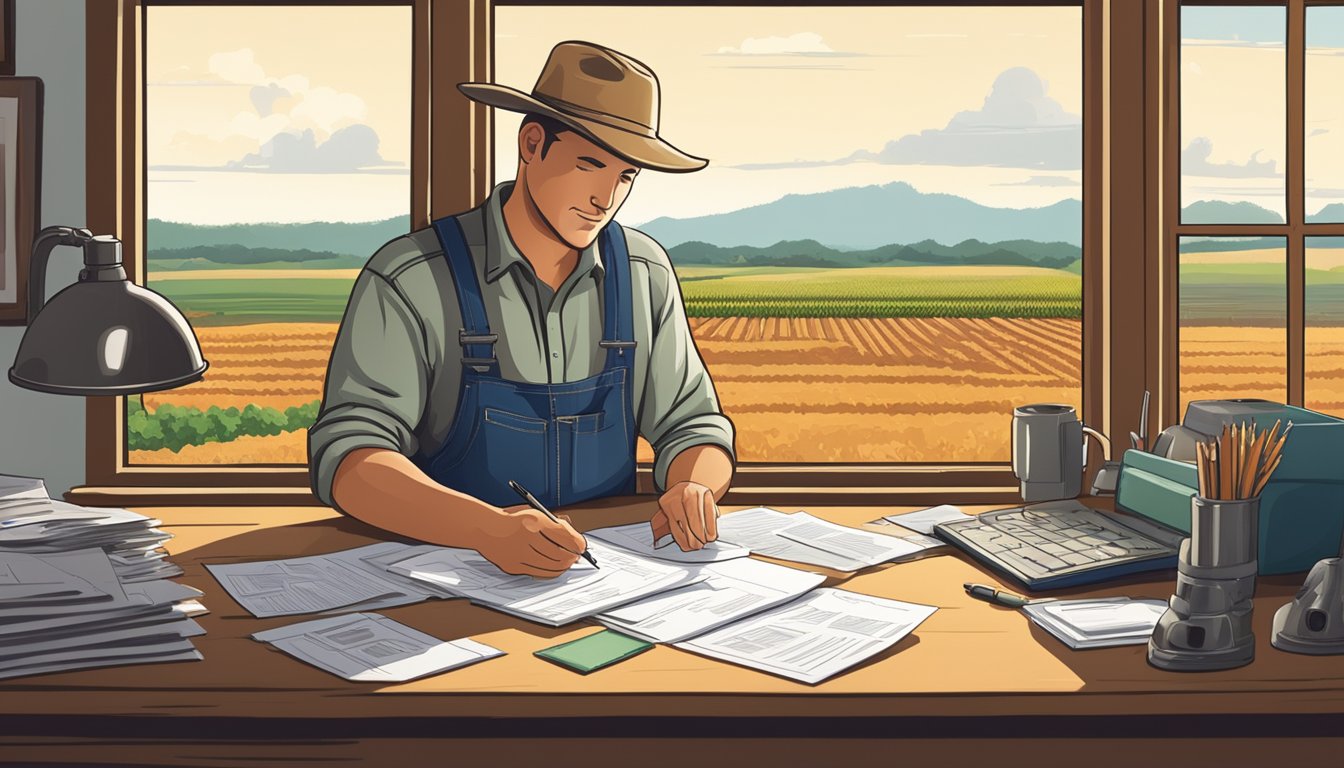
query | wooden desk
(975,681)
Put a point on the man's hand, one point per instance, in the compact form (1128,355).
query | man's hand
(688,512)
(527,542)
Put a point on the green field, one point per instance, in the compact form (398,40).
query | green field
(973,291)
(227,301)
(921,291)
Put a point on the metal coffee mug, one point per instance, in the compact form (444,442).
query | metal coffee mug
(1049,451)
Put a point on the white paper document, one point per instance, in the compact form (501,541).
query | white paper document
(373,648)
(579,592)
(638,538)
(1098,622)
(305,585)
(730,590)
(19,487)
(863,546)
(814,637)
(923,520)
(758,529)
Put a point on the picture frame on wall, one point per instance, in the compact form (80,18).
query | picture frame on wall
(6,37)
(20,190)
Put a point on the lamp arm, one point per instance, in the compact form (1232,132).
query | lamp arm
(46,240)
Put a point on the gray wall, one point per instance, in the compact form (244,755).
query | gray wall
(43,435)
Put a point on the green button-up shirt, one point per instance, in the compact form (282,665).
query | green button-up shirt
(396,365)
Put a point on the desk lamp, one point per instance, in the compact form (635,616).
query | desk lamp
(104,335)
(1314,621)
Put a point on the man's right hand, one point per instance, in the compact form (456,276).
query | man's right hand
(526,542)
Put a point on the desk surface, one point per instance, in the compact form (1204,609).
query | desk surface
(970,659)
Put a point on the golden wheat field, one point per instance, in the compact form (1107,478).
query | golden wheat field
(797,389)
(809,389)
(1219,362)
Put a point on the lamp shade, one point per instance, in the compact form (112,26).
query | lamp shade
(103,335)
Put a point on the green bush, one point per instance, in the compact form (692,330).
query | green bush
(174,426)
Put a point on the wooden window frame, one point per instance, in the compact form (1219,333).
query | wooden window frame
(1295,230)
(1121,131)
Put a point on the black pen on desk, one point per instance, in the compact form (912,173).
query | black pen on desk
(998,597)
(537,505)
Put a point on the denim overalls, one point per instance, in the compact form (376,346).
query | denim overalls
(566,443)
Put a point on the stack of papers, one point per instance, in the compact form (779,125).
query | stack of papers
(580,592)
(802,538)
(372,647)
(812,638)
(724,592)
(1097,623)
(68,610)
(32,522)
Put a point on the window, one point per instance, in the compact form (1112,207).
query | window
(1261,203)
(885,255)
(928,390)
(276,165)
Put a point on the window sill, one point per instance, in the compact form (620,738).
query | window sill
(779,496)
(186,496)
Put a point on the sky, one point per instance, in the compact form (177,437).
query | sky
(251,122)
(1233,105)
(254,123)
(981,102)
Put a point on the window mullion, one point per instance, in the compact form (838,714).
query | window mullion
(1296,193)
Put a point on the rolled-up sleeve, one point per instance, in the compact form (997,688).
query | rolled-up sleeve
(376,381)
(679,408)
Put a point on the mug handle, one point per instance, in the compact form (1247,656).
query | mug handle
(1100,438)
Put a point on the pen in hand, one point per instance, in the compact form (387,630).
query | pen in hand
(537,505)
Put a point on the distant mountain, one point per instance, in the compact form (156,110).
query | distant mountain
(810,253)
(345,238)
(1220,212)
(239,257)
(1330,214)
(871,217)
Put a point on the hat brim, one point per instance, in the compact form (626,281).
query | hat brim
(643,151)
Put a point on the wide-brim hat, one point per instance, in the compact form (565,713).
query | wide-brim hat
(605,95)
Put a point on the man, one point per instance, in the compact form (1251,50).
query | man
(529,339)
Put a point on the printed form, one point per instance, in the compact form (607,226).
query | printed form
(758,529)
(579,592)
(814,637)
(638,538)
(373,648)
(863,546)
(308,585)
(731,590)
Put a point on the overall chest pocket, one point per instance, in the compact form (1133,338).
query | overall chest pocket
(513,446)
(597,451)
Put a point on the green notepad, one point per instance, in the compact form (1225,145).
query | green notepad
(594,651)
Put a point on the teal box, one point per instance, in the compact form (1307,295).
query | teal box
(1301,508)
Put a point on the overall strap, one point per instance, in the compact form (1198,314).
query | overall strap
(618,323)
(478,343)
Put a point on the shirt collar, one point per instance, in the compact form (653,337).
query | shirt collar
(501,253)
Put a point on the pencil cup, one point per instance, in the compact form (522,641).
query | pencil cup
(1207,624)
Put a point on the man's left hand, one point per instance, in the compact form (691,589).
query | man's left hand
(688,512)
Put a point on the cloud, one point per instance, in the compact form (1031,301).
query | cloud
(293,124)
(1018,126)
(1041,181)
(238,66)
(1195,162)
(352,148)
(264,97)
(799,44)
(1317,132)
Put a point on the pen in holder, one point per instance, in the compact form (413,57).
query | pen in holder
(1207,624)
